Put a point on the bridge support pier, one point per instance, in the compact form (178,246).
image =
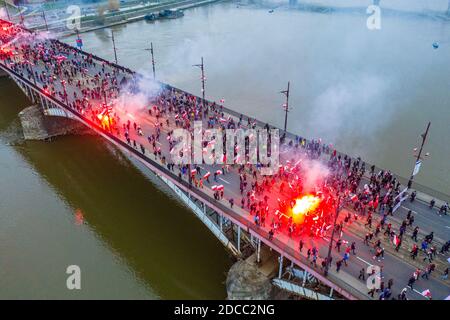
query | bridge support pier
(3,74)
(37,126)
(280,269)
(239,239)
(258,257)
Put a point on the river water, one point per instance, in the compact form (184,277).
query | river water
(370,93)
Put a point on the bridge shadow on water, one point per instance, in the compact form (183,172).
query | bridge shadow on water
(140,221)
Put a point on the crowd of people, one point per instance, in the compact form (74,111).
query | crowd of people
(90,87)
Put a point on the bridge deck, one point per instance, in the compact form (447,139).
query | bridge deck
(345,281)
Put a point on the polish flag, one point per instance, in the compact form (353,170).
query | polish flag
(426,293)
(207,175)
(396,240)
(220,187)
(214,188)
(193,172)
(219,172)
(375,204)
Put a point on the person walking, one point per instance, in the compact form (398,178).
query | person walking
(411,281)
(414,251)
(414,234)
(338,245)
(353,247)
(445,274)
(362,274)
(338,265)
(345,258)
(430,268)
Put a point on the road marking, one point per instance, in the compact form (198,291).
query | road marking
(364,261)
(420,293)
(409,209)
(224,181)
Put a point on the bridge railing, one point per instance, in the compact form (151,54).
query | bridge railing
(404,181)
(333,281)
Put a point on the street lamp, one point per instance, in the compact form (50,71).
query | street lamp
(114,46)
(63,84)
(419,159)
(22,19)
(340,204)
(202,67)
(45,19)
(286,106)
(153,59)
(105,103)
(7,11)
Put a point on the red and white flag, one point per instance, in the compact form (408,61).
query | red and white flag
(426,293)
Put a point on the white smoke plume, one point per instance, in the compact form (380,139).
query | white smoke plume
(3,14)
(339,111)
(136,97)
(314,174)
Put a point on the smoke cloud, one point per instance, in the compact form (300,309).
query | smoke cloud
(135,96)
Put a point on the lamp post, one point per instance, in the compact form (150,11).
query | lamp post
(286,106)
(419,159)
(45,19)
(22,19)
(114,46)
(330,247)
(63,83)
(202,68)
(7,11)
(153,59)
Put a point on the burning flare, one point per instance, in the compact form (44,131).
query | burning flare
(304,205)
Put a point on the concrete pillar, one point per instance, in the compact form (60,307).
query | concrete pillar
(258,250)
(3,74)
(245,282)
(305,274)
(280,268)
(37,126)
(239,239)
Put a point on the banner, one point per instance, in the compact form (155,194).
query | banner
(417,167)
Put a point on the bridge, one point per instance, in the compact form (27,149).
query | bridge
(244,209)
